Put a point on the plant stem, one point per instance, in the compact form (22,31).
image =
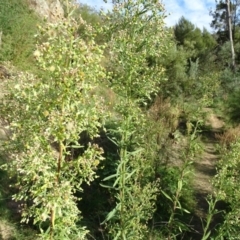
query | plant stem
(123,155)
(59,161)
(52,211)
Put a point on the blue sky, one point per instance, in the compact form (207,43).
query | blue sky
(197,11)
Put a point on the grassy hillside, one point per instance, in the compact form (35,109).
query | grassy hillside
(18,25)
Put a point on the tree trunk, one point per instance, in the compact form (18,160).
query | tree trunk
(229,23)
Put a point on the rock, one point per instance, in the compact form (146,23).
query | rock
(52,10)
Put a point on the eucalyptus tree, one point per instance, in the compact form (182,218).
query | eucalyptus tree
(229,22)
(225,11)
(226,21)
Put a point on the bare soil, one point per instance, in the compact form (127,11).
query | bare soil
(205,169)
(6,230)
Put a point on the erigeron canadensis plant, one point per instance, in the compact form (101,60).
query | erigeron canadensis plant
(137,39)
(53,111)
(227,193)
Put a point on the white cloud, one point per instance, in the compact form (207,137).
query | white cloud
(196,5)
(174,11)
(196,11)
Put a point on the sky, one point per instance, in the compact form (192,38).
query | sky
(197,11)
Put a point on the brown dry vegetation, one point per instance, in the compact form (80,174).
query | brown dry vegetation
(229,136)
(162,110)
(6,230)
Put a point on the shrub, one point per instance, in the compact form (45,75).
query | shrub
(226,189)
(53,112)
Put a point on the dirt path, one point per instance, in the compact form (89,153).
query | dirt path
(205,169)
(206,165)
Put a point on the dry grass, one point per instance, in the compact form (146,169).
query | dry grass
(162,110)
(230,136)
(6,230)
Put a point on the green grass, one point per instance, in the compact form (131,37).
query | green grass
(18,25)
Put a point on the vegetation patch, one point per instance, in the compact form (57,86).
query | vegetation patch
(110,124)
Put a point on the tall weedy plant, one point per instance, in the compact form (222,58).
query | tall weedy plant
(46,117)
(226,189)
(137,38)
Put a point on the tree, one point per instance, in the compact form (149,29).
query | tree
(184,30)
(225,11)
(230,33)
(195,41)
(225,21)
(195,45)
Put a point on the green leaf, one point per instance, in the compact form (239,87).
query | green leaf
(106,186)
(130,174)
(116,182)
(206,236)
(166,195)
(117,236)
(113,141)
(136,152)
(110,177)
(185,210)
(76,146)
(111,214)
(180,182)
